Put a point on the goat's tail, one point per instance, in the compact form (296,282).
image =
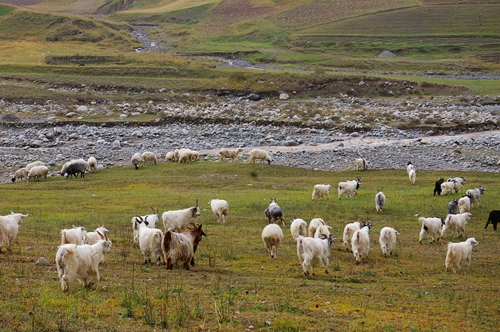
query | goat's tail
(66,257)
(167,242)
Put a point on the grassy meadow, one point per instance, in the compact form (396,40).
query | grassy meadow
(235,285)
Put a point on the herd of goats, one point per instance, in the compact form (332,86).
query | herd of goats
(81,252)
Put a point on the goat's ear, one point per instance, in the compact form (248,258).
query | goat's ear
(197,202)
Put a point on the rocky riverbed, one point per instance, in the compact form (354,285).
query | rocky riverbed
(322,135)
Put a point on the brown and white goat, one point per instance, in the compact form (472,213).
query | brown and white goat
(180,247)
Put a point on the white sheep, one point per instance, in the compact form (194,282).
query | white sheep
(33,164)
(459,253)
(170,156)
(314,225)
(413,176)
(9,228)
(20,174)
(136,160)
(80,262)
(178,220)
(433,228)
(150,243)
(447,187)
(349,230)
(349,188)
(37,172)
(259,154)
(229,153)
(220,209)
(321,190)
(92,162)
(361,164)
(313,252)
(379,200)
(476,194)
(149,157)
(75,235)
(152,220)
(387,240)
(360,242)
(458,182)
(456,222)
(464,203)
(298,227)
(272,235)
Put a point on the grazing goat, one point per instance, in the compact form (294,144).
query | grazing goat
(321,190)
(437,186)
(20,174)
(181,247)
(447,188)
(298,227)
(272,235)
(476,194)
(274,212)
(220,209)
(314,225)
(9,227)
(361,242)
(493,218)
(313,252)
(387,240)
(349,230)
(361,164)
(464,203)
(75,235)
(349,188)
(433,228)
(456,222)
(458,253)
(81,262)
(178,220)
(150,242)
(152,220)
(379,200)
(452,207)
(413,176)
(258,154)
(229,153)
(458,182)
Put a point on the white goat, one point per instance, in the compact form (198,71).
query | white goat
(229,153)
(178,220)
(458,182)
(9,227)
(447,187)
(387,240)
(456,222)
(360,242)
(476,194)
(349,188)
(321,190)
(413,176)
(361,164)
(433,228)
(92,164)
(322,231)
(150,242)
(81,262)
(298,227)
(349,230)
(20,174)
(314,225)
(259,154)
(220,209)
(152,220)
(464,203)
(379,200)
(459,253)
(313,252)
(409,167)
(75,235)
(37,172)
(272,235)
(93,237)
(149,157)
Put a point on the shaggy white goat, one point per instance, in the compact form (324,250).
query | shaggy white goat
(178,220)
(81,263)
(349,230)
(150,242)
(379,200)
(152,220)
(75,235)
(298,227)
(9,228)
(321,190)
(259,154)
(361,164)
(349,188)
(387,240)
(314,252)
(409,167)
(220,209)
(93,237)
(360,242)
(464,203)
(37,172)
(413,176)
(459,253)
(229,153)
(433,228)
(272,235)
(456,222)
(313,226)
(458,182)
(447,187)
(322,231)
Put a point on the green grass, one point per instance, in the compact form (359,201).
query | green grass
(235,284)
